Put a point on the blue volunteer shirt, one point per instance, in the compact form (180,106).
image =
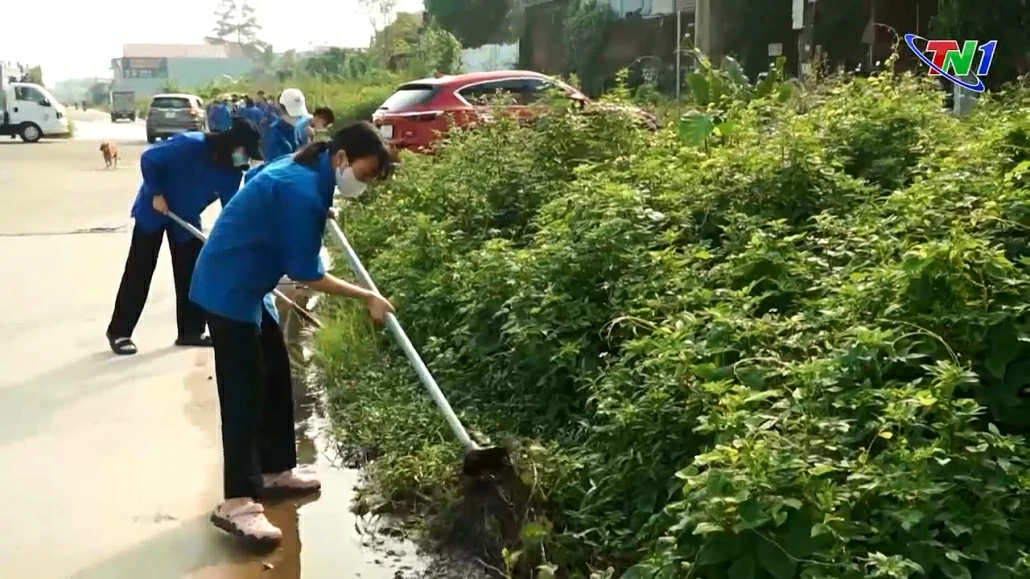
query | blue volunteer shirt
(302,131)
(219,119)
(252,114)
(269,301)
(270,113)
(279,140)
(183,171)
(272,227)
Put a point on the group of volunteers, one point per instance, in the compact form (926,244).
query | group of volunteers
(270,227)
(265,114)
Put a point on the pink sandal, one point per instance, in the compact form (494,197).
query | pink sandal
(248,522)
(291,483)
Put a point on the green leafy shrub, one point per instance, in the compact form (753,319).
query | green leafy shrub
(798,351)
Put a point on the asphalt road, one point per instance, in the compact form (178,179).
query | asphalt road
(111,465)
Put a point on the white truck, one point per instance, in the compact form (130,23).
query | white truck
(30,111)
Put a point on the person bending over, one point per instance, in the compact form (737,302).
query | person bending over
(183,175)
(273,227)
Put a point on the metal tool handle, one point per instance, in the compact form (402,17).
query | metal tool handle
(278,294)
(409,350)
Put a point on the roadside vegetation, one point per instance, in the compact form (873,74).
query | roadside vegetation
(784,337)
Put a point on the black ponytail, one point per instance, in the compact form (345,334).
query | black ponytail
(309,153)
(358,140)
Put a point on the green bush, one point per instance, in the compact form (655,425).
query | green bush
(797,351)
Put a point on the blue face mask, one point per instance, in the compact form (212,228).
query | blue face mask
(240,159)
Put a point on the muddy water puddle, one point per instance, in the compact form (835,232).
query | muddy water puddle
(322,537)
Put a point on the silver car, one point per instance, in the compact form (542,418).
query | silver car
(171,114)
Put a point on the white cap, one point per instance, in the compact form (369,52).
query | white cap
(293,101)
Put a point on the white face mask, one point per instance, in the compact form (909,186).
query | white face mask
(348,184)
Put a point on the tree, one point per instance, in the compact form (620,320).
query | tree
(248,28)
(339,63)
(268,58)
(236,23)
(440,50)
(474,22)
(397,41)
(752,26)
(1006,21)
(97,94)
(286,65)
(226,17)
(34,75)
(407,41)
(379,12)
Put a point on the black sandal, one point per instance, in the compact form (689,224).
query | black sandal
(122,346)
(193,341)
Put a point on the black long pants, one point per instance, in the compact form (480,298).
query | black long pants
(255,396)
(139,271)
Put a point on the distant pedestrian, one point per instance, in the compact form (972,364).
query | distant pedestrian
(183,175)
(281,137)
(251,112)
(269,111)
(219,118)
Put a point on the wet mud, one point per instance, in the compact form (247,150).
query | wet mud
(488,519)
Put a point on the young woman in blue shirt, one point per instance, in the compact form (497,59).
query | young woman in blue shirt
(184,175)
(273,227)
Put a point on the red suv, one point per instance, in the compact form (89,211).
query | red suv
(419,110)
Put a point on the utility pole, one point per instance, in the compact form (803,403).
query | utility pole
(699,38)
(679,53)
(810,31)
(803,16)
(704,28)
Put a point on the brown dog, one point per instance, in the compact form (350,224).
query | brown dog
(110,152)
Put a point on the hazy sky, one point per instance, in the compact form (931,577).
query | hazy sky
(79,39)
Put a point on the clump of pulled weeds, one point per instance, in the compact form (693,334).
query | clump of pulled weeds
(473,535)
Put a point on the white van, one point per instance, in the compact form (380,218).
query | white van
(31,112)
